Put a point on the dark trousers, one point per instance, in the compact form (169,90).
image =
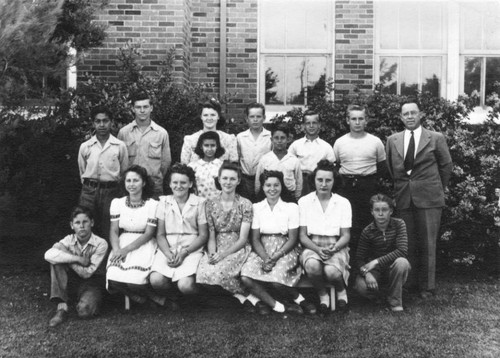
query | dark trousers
(422,225)
(358,190)
(247,187)
(99,200)
(307,183)
(66,285)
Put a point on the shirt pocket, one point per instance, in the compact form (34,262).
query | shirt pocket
(132,149)
(154,150)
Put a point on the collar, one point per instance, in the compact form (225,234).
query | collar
(92,241)
(315,140)
(416,132)
(193,200)
(372,226)
(111,140)
(152,125)
(215,162)
(334,198)
(279,205)
(248,133)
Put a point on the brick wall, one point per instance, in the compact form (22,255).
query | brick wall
(353,46)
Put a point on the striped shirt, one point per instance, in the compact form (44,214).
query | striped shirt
(385,246)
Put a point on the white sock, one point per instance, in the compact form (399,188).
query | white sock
(253,300)
(240,297)
(278,307)
(62,306)
(342,295)
(299,299)
(324,299)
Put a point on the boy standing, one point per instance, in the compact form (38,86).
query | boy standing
(252,145)
(382,253)
(310,149)
(101,161)
(75,267)
(147,143)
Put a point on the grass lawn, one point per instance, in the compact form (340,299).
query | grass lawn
(463,320)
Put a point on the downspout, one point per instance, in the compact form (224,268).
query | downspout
(223,49)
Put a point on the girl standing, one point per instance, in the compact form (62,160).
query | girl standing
(325,222)
(206,169)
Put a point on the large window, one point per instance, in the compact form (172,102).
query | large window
(410,46)
(480,49)
(295,51)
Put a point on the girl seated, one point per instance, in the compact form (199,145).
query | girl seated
(274,260)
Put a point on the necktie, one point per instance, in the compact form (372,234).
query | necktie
(410,154)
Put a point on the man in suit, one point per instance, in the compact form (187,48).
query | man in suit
(420,164)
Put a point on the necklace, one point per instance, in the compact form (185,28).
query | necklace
(133,206)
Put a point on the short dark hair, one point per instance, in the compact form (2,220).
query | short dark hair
(328,166)
(382,198)
(80,209)
(147,191)
(139,96)
(216,106)
(219,152)
(409,100)
(183,169)
(310,112)
(98,110)
(255,105)
(282,127)
(285,194)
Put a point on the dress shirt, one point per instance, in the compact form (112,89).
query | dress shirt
(103,163)
(280,219)
(96,247)
(289,165)
(417,133)
(149,148)
(227,141)
(329,222)
(310,152)
(251,149)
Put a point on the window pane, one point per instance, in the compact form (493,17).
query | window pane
(295,25)
(317,25)
(273,24)
(316,74)
(492,75)
(408,25)
(472,25)
(491,26)
(274,76)
(472,75)
(296,79)
(389,74)
(387,19)
(431,75)
(431,18)
(409,75)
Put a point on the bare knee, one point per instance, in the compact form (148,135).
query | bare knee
(332,274)
(313,267)
(247,281)
(187,286)
(158,281)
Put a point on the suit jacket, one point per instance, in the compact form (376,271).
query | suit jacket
(431,170)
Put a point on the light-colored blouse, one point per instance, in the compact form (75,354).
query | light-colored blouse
(283,217)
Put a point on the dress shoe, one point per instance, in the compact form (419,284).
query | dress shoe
(262,308)
(294,308)
(308,307)
(323,309)
(58,318)
(341,305)
(397,309)
(248,307)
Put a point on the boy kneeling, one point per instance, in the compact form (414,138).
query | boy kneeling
(74,268)
(382,252)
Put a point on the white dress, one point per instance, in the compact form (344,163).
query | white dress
(132,222)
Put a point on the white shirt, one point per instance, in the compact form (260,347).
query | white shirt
(280,219)
(329,222)
(359,156)
(311,152)
(251,149)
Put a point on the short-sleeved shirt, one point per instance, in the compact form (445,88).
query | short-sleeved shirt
(181,227)
(289,165)
(283,217)
(329,222)
(251,149)
(227,141)
(311,152)
(205,173)
(104,163)
(149,149)
(133,219)
(359,156)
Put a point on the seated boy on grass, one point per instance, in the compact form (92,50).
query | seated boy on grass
(74,268)
(381,254)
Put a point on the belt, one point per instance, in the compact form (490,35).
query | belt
(358,177)
(99,184)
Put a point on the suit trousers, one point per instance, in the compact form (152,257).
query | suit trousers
(422,225)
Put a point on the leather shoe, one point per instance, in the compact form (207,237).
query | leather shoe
(248,307)
(308,307)
(262,308)
(58,318)
(294,308)
(323,309)
(341,305)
